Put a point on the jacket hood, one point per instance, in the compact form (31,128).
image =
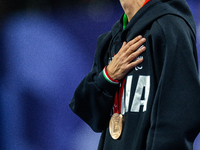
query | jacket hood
(156,9)
(182,9)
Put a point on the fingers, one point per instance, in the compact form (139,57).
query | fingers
(135,40)
(134,55)
(135,63)
(133,47)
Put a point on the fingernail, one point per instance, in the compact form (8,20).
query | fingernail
(143,48)
(143,39)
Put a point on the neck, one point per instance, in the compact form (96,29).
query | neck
(132,8)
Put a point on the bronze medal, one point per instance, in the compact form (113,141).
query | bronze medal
(116,125)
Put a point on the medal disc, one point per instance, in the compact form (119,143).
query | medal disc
(116,125)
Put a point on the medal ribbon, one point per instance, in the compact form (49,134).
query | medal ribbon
(118,98)
(146,2)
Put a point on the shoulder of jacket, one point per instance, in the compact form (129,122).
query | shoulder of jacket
(170,25)
(105,35)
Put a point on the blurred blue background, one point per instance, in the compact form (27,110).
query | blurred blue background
(46,48)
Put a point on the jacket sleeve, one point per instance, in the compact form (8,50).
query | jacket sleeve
(93,98)
(176,120)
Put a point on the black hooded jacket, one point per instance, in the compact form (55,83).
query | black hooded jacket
(161,101)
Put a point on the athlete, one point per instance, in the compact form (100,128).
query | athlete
(143,93)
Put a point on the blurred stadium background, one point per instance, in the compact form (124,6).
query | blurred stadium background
(46,48)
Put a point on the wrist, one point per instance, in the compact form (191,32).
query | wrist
(108,78)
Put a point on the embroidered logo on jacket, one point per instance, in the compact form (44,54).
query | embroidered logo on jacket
(138,67)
